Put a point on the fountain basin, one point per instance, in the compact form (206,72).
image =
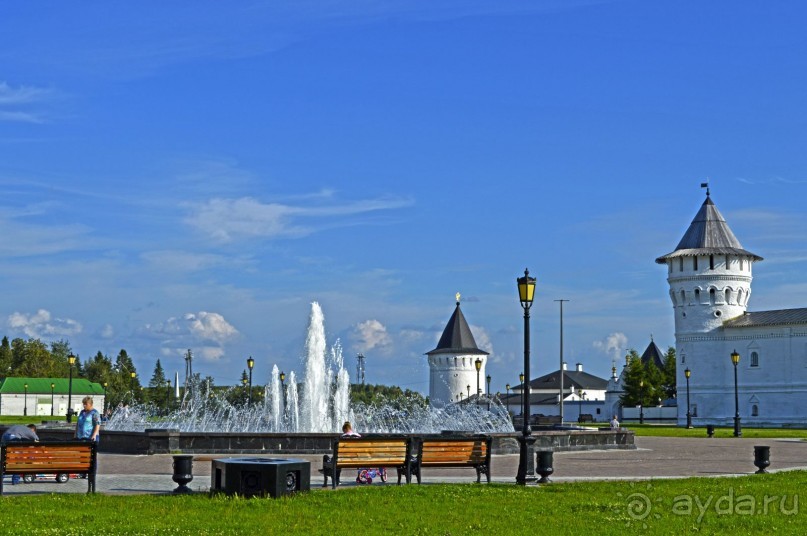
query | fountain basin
(166,441)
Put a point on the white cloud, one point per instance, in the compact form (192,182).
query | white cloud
(21,94)
(203,332)
(371,335)
(106,331)
(613,345)
(482,338)
(12,98)
(42,325)
(225,220)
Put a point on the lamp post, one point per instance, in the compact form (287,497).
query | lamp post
(250,364)
(687,372)
(579,405)
(167,395)
(71,360)
(488,390)
(507,387)
(469,392)
(106,384)
(641,402)
(526,464)
(25,408)
(283,387)
(52,387)
(132,383)
(478,365)
(735,359)
(521,379)
(244,383)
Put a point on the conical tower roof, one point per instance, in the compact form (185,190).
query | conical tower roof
(457,337)
(653,354)
(708,234)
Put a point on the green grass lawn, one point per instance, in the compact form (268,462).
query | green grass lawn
(664,430)
(756,504)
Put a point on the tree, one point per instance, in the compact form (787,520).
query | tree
(158,377)
(632,380)
(669,378)
(5,356)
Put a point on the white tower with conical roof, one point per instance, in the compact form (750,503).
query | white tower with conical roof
(709,274)
(452,365)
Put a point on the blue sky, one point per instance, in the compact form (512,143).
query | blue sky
(194,174)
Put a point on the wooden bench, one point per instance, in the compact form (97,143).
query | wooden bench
(368,451)
(585,417)
(49,457)
(473,451)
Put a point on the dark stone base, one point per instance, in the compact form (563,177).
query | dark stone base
(161,441)
(251,477)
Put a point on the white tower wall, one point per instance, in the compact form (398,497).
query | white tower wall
(451,374)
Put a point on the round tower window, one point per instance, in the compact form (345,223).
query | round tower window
(718,313)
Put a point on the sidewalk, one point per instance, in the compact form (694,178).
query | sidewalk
(656,457)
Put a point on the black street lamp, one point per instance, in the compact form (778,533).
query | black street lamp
(250,364)
(735,359)
(244,383)
(283,387)
(526,464)
(71,360)
(488,390)
(521,403)
(25,409)
(579,405)
(52,387)
(687,372)
(641,402)
(132,384)
(507,387)
(478,365)
(469,392)
(105,386)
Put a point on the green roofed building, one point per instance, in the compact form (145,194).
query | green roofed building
(46,397)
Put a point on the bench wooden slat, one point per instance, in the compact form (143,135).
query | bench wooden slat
(455,453)
(362,452)
(24,457)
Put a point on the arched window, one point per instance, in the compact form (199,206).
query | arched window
(740,297)
(728,261)
(711,262)
(683,298)
(694,263)
(711,296)
(681,264)
(755,410)
(697,295)
(754,359)
(728,295)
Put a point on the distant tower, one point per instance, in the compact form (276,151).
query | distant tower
(360,369)
(188,367)
(451,364)
(709,274)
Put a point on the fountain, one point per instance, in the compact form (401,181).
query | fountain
(321,406)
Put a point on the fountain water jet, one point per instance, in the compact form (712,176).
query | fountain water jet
(321,407)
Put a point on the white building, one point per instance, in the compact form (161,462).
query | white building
(583,394)
(709,274)
(452,365)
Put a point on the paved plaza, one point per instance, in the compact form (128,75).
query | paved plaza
(655,457)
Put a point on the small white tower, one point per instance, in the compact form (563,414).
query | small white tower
(709,274)
(452,364)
